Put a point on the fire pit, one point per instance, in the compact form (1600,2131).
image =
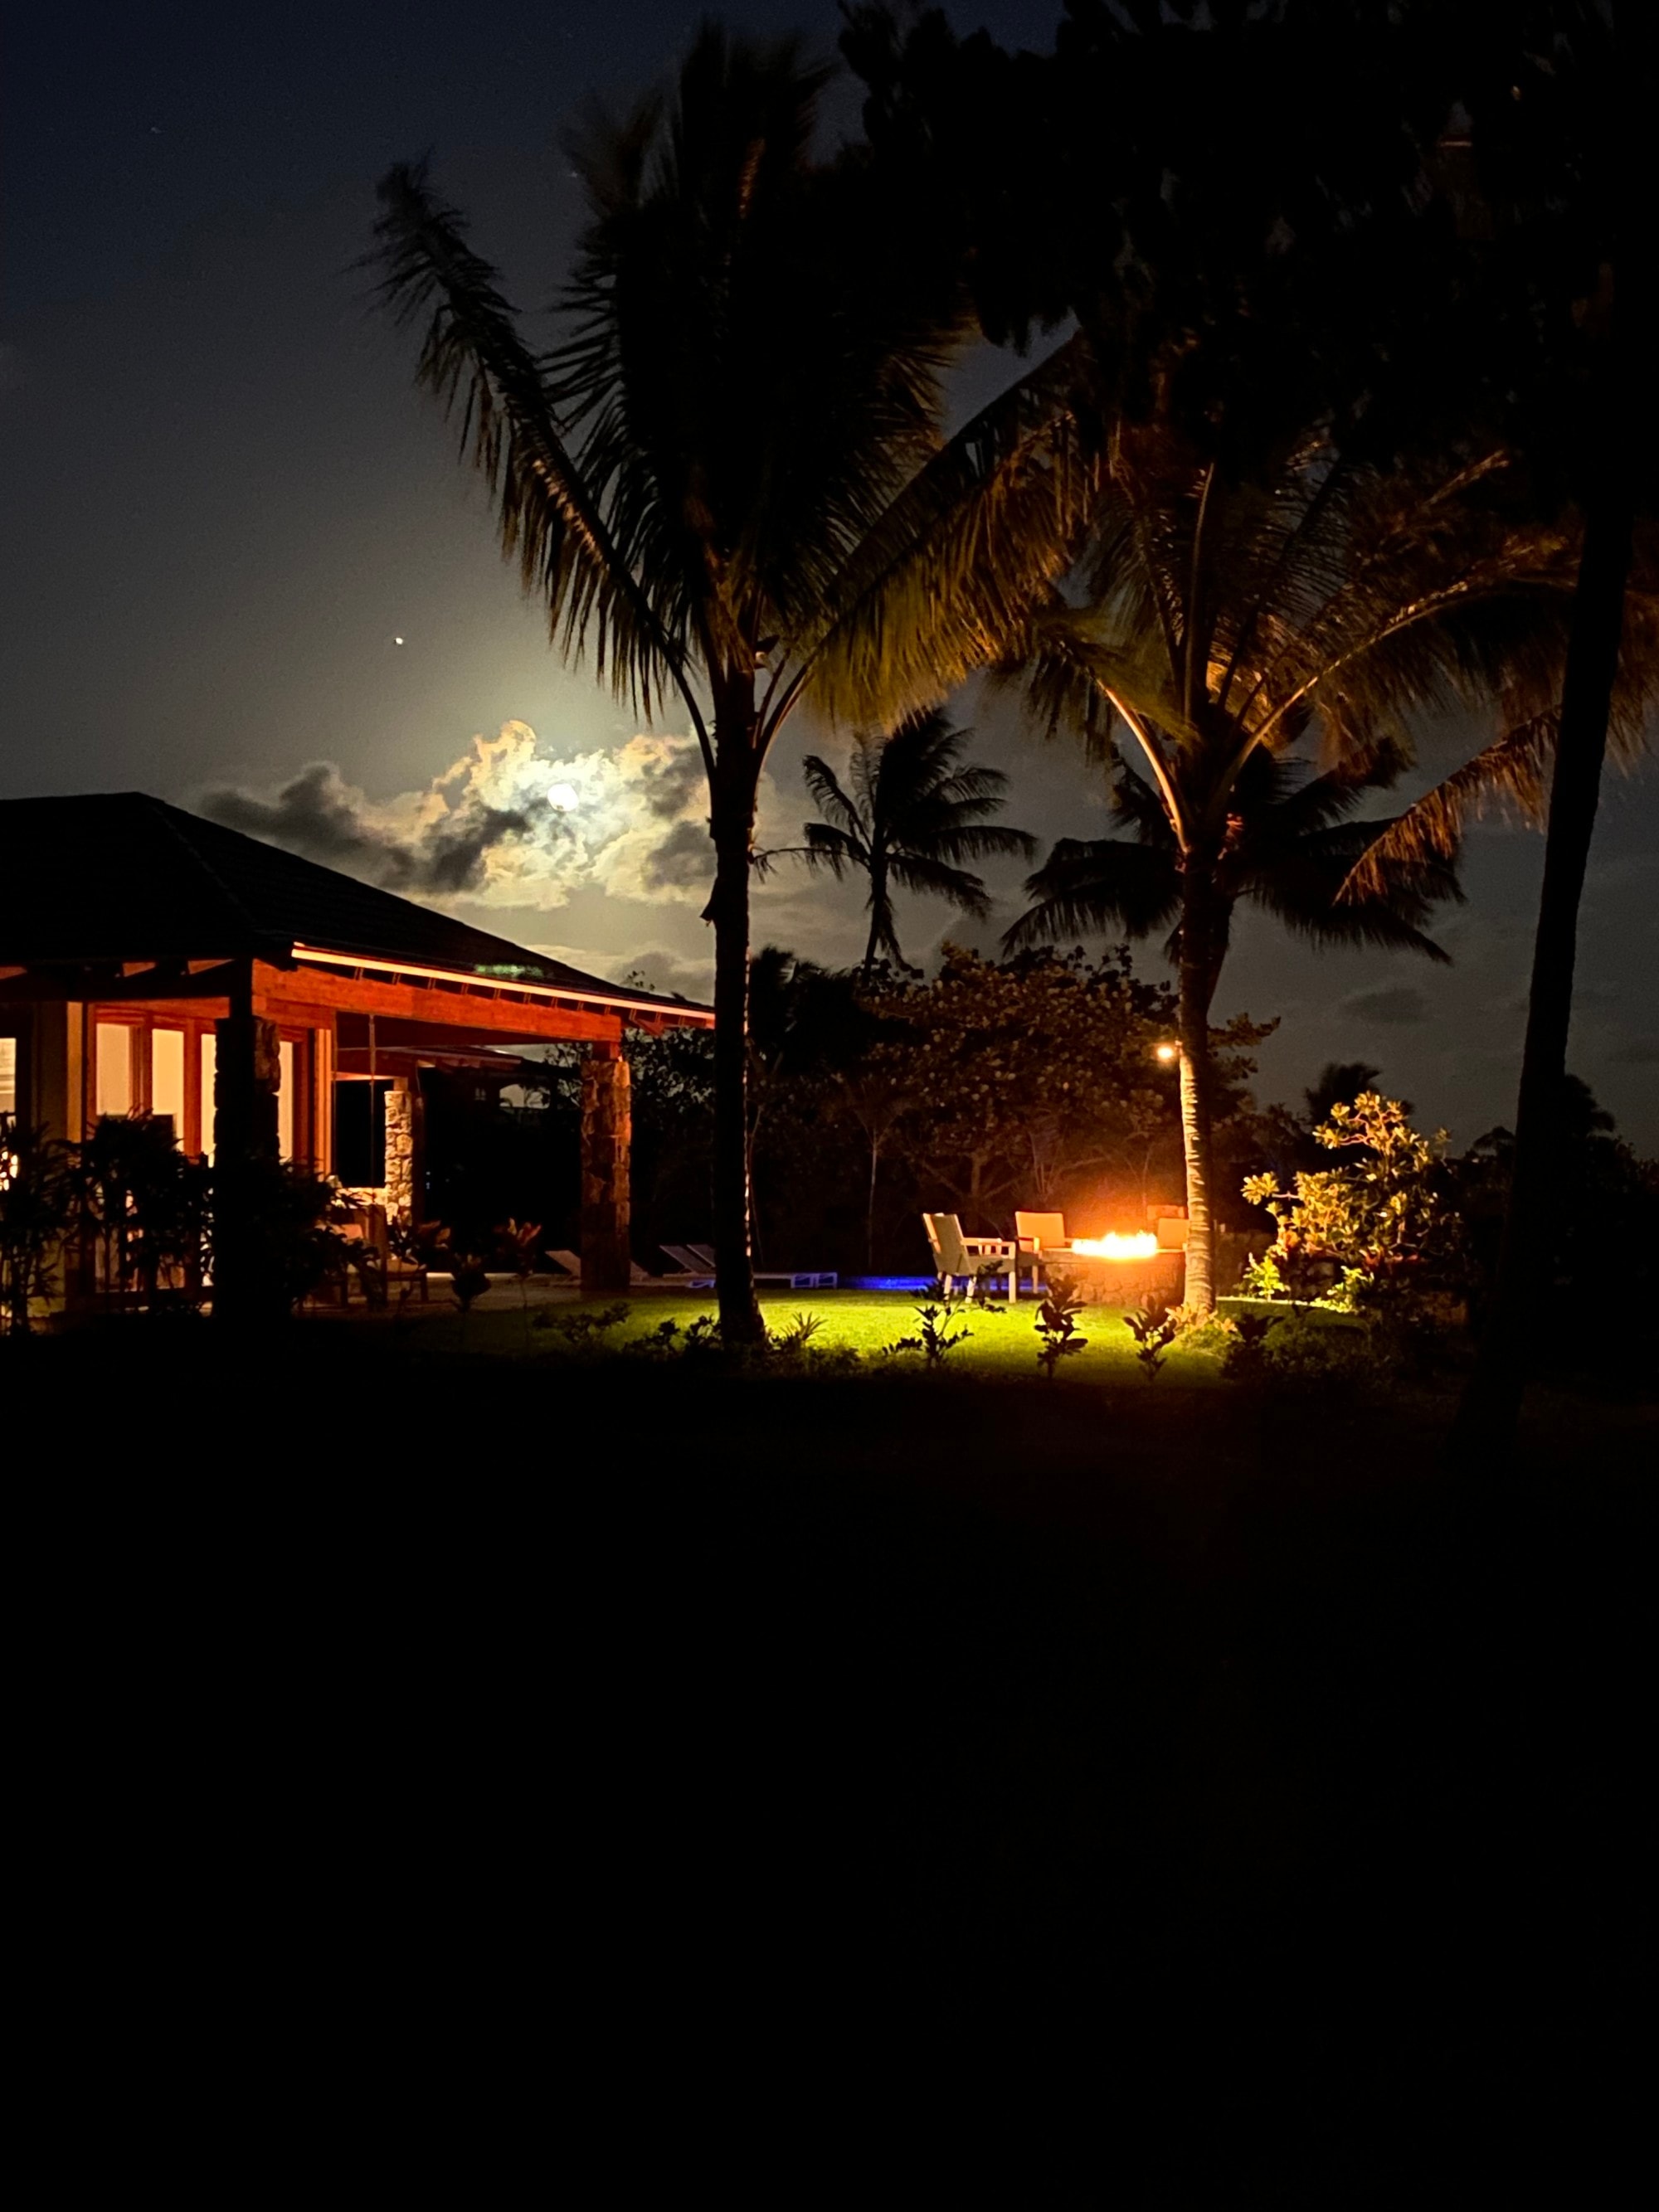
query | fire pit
(1119,1270)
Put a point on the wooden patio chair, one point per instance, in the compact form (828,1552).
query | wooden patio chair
(967,1258)
(1040,1237)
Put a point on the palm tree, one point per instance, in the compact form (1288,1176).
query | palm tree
(913,813)
(729,481)
(1289,851)
(1233,623)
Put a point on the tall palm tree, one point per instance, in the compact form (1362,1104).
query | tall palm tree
(730,481)
(1234,623)
(913,813)
(1289,850)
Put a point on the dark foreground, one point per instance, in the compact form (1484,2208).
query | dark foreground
(782,1791)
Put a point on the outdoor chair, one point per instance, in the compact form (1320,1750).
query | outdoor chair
(367,1250)
(570,1262)
(1040,1237)
(787,1278)
(394,1268)
(960,1258)
(695,1274)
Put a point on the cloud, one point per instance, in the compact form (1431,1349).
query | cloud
(650,968)
(507,824)
(668,772)
(1400,1007)
(681,862)
(1640,1051)
(320,815)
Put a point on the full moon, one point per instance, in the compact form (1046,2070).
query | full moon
(562,794)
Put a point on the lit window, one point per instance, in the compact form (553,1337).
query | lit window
(8,1075)
(209,1061)
(113,1093)
(166,1077)
(285,1100)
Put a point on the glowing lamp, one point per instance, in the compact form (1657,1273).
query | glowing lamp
(1166,1053)
(1143,1245)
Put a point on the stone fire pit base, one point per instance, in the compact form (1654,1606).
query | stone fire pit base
(1121,1282)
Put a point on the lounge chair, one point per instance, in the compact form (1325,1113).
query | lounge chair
(960,1258)
(694,1274)
(788,1278)
(639,1277)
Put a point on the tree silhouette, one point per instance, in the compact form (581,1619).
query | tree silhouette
(729,482)
(1234,621)
(1454,254)
(1338,1082)
(913,813)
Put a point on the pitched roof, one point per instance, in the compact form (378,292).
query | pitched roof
(121,875)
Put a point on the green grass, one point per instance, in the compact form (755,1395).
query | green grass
(1000,1345)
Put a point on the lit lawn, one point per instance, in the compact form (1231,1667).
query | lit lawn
(1000,1343)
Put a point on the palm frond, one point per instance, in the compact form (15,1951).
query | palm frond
(1302,882)
(826,846)
(833,802)
(1088,887)
(963,556)
(913,871)
(478,366)
(1511,773)
(982,840)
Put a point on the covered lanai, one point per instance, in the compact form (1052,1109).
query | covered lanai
(155,963)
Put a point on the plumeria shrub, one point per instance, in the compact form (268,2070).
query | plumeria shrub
(1373,1233)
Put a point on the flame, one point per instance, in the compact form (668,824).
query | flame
(1141,1246)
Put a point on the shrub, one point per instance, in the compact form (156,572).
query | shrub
(1374,1233)
(148,1204)
(37,1205)
(1246,1357)
(581,1331)
(1308,1355)
(1154,1327)
(1197,1331)
(1056,1325)
(935,1337)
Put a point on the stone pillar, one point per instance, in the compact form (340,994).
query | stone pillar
(247,1076)
(405,1163)
(607,1134)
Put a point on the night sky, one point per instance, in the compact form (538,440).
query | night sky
(225,503)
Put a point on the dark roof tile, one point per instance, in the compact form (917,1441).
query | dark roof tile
(121,875)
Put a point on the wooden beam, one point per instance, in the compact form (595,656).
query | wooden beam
(315,995)
(152,983)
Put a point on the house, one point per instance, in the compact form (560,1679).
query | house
(154,962)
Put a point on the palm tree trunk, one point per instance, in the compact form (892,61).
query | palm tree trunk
(1492,1403)
(870,1208)
(1197,984)
(878,914)
(732,802)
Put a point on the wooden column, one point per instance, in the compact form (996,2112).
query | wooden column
(607,1134)
(247,1076)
